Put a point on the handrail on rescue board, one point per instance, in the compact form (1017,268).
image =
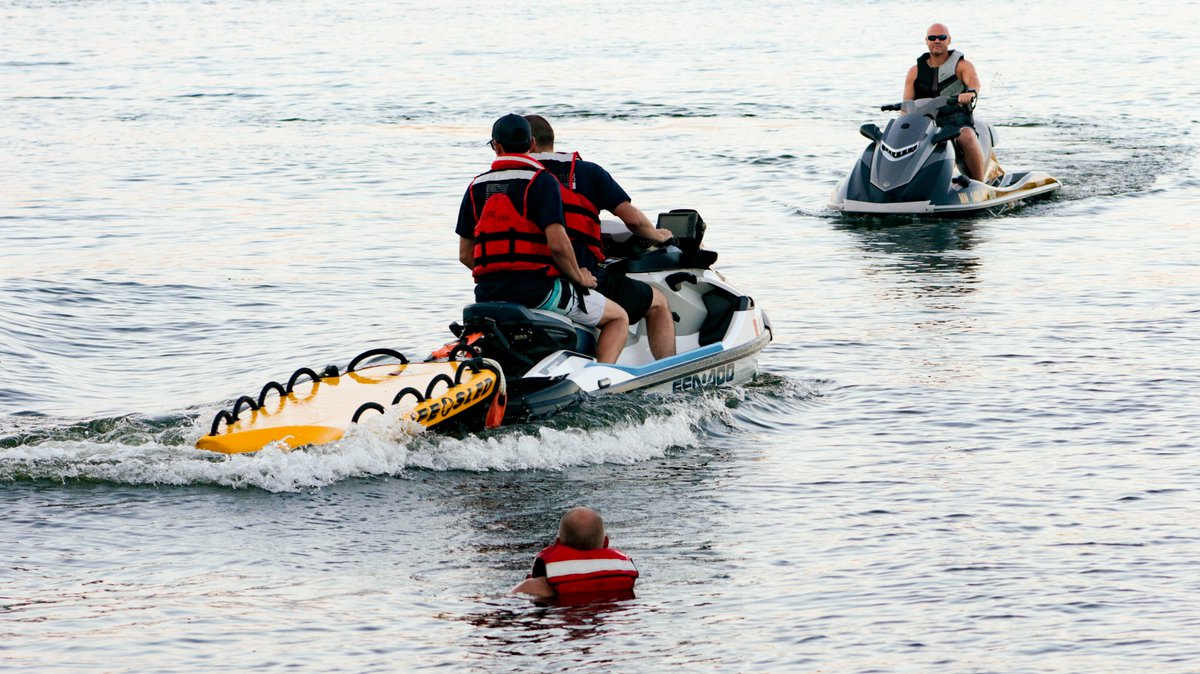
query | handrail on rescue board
(428,393)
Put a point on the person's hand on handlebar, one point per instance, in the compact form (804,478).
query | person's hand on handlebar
(967,98)
(661,236)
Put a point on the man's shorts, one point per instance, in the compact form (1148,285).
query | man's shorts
(633,296)
(958,118)
(564,299)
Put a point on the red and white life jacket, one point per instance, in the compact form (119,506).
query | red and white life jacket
(505,238)
(581,215)
(604,573)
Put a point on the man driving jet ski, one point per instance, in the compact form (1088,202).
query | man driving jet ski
(587,189)
(944,72)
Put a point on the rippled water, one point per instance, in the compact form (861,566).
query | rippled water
(972,446)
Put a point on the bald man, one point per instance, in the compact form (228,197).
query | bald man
(579,566)
(943,71)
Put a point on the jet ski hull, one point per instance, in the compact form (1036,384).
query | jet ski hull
(565,378)
(977,197)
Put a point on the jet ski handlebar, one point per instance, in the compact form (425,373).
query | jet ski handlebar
(926,105)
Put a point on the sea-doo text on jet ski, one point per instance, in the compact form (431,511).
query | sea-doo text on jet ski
(911,167)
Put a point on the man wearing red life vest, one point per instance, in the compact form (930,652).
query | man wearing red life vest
(579,566)
(587,190)
(511,237)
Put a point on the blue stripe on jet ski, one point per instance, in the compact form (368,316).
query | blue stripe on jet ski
(665,363)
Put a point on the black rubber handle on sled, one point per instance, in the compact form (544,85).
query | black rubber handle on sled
(262,395)
(375,352)
(890,107)
(295,378)
(363,408)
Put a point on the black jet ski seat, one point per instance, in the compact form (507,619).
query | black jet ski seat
(518,337)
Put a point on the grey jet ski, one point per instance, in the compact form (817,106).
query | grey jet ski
(911,167)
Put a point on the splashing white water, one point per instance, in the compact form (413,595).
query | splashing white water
(380,446)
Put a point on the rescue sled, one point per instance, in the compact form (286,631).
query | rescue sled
(314,408)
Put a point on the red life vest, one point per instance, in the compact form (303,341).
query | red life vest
(505,238)
(586,575)
(581,215)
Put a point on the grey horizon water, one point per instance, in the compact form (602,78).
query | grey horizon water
(972,448)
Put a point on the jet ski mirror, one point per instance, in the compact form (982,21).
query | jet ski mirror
(946,133)
(871,132)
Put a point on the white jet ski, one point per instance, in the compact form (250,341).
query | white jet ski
(911,167)
(549,361)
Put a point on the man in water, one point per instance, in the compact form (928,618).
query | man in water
(944,72)
(588,189)
(579,566)
(511,237)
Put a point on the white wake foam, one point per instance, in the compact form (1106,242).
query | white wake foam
(380,446)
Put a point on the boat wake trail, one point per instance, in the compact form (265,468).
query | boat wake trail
(619,430)
(144,452)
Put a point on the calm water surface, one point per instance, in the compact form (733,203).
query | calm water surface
(972,448)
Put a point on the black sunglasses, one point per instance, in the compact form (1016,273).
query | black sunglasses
(937,38)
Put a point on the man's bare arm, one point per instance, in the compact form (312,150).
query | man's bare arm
(466,251)
(639,224)
(538,587)
(910,84)
(967,75)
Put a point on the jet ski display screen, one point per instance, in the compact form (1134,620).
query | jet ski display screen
(685,225)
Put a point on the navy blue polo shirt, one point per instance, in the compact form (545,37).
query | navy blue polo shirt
(593,182)
(598,185)
(529,288)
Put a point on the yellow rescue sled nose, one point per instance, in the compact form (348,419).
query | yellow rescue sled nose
(313,408)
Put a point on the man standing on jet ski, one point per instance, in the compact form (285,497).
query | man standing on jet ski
(511,237)
(944,72)
(586,190)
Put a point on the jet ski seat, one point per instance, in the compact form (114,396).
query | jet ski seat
(525,335)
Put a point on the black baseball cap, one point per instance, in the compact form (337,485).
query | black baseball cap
(513,132)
